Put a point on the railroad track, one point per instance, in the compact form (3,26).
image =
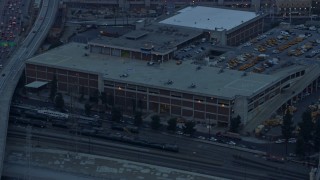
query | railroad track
(180,160)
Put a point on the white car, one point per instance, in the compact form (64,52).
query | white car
(179,132)
(292,140)
(213,139)
(231,143)
(279,141)
(201,137)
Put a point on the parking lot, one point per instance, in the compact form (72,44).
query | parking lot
(274,50)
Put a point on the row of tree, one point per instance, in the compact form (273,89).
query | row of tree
(309,135)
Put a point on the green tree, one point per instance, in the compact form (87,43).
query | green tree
(87,109)
(155,122)
(116,115)
(172,124)
(104,101)
(94,97)
(140,105)
(133,105)
(59,101)
(317,136)
(306,126)
(189,127)
(300,147)
(287,127)
(103,97)
(138,119)
(110,100)
(234,124)
(53,87)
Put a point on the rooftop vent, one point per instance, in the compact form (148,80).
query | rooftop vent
(192,86)
(198,68)
(244,74)
(85,54)
(169,82)
(124,75)
(221,70)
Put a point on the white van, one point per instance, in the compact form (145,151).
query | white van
(285,33)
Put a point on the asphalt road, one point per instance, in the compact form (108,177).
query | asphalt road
(12,71)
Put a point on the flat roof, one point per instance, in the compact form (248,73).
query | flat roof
(209,18)
(36,84)
(163,38)
(136,34)
(208,80)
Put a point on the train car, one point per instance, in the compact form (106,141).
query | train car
(34,115)
(117,127)
(15,111)
(53,114)
(171,147)
(60,123)
(88,132)
(132,129)
(37,123)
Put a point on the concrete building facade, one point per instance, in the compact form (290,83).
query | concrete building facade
(208,95)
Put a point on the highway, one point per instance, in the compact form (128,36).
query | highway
(11,73)
(194,156)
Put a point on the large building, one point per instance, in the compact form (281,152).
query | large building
(295,7)
(152,43)
(229,27)
(208,94)
(315,7)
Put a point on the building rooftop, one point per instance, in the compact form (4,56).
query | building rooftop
(163,38)
(209,18)
(208,80)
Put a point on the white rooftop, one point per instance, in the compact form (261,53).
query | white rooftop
(209,18)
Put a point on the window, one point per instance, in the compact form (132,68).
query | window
(142,89)
(153,91)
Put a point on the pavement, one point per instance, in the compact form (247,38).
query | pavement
(59,164)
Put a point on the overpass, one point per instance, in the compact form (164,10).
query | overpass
(12,71)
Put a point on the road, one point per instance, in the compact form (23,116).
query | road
(11,73)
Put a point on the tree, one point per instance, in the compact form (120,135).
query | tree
(317,136)
(155,123)
(287,127)
(110,100)
(103,98)
(306,126)
(95,96)
(53,88)
(140,105)
(172,124)
(188,127)
(234,124)
(87,109)
(300,147)
(138,119)
(133,105)
(116,115)
(59,101)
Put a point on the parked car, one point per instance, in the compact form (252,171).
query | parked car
(279,141)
